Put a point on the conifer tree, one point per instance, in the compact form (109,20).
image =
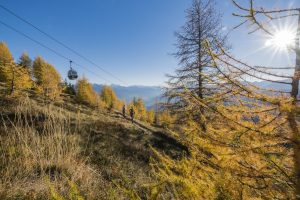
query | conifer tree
(6,59)
(68,88)
(14,77)
(203,23)
(150,116)
(166,119)
(139,107)
(109,97)
(5,54)
(191,92)
(47,78)
(249,147)
(85,93)
(261,19)
(25,61)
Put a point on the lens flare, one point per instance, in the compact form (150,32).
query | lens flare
(282,39)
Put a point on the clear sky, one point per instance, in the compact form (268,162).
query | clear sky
(132,39)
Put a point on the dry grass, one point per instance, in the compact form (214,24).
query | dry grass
(64,150)
(40,155)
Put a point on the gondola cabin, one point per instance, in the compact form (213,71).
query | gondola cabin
(72,74)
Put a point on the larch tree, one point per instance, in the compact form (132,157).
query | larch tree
(85,93)
(6,63)
(25,61)
(191,92)
(25,68)
(203,23)
(5,54)
(47,78)
(166,119)
(110,98)
(139,108)
(263,19)
(151,116)
(14,77)
(251,139)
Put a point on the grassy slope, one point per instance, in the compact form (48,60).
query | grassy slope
(107,158)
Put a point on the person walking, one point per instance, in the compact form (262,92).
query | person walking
(124,111)
(131,111)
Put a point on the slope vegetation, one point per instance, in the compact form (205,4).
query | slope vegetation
(64,150)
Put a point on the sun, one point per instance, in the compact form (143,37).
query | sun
(282,39)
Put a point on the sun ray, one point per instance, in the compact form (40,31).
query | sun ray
(283,39)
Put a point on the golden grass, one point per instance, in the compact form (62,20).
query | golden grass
(64,150)
(40,155)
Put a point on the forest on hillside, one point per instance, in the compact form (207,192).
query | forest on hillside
(215,134)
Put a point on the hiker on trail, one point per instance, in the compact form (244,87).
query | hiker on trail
(124,111)
(131,111)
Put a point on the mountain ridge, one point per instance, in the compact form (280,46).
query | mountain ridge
(152,93)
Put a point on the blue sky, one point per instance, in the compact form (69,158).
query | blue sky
(132,39)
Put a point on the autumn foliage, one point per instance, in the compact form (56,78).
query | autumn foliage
(15,77)
(47,78)
(110,99)
(85,93)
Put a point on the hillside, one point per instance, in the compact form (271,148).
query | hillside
(150,100)
(59,149)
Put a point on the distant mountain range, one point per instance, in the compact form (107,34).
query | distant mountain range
(276,86)
(150,93)
(273,85)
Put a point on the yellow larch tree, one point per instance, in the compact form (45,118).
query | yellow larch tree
(110,98)
(47,78)
(15,77)
(85,93)
(139,108)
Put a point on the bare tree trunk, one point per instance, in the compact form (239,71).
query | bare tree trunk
(200,69)
(292,118)
(200,93)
